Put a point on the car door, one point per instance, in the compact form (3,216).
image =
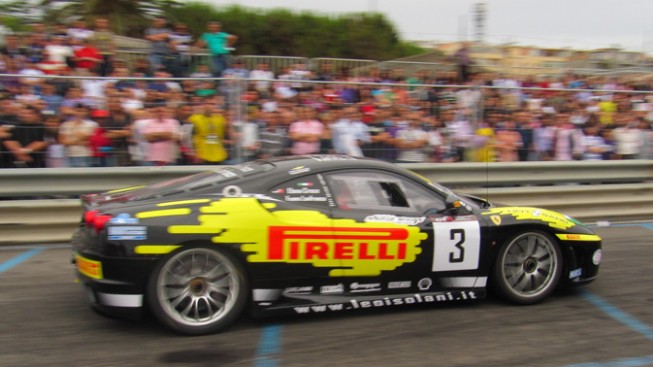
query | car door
(427,240)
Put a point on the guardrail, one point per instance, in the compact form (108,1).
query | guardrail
(588,190)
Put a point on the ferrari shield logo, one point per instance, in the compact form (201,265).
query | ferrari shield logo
(496,219)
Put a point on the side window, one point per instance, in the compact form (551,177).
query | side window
(379,191)
(306,190)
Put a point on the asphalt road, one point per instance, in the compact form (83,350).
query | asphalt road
(45,321)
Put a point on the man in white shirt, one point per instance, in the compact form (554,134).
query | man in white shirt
(349,133)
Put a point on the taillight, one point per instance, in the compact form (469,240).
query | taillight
(94,219)
(101,221)
(89,217)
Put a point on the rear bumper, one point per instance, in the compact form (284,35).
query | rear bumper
(113,286)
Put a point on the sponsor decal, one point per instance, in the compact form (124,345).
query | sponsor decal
(399,284)
(365,287)
(555,220)
(279,191)
(303,190)
(417,298)
(579,237)
(244,169)
(389,218)
(363,250)
(305,198)
(124,218)
(298,170)
(575,273)
(424,284)
(88,267)
(344,246)
(327,158)
(305,184)
(332,289)
(231,190)
(127,233)
(226,173)
(496,219)
(298,290)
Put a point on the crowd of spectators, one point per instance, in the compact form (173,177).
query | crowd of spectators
(134,114)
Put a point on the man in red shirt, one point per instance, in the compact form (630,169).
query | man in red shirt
(87,57)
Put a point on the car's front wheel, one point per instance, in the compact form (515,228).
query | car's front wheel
(197,290)
(528,267)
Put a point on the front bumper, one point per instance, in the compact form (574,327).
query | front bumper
(582,261)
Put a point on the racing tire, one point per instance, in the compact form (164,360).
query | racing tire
(197,290)
(528,268)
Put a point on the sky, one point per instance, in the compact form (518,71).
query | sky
(576,24)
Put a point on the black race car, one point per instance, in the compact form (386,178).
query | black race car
(315,234)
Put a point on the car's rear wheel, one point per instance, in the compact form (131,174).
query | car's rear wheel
(528,267)
(197,290)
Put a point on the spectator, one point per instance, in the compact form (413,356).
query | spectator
(567,139)
(627,136)
(524,126)
(79,32)
(594,146)
(412,141)
(305,133)
(104,39)
(274,135)
(59,51)
(543,136)
(245,137)
(13,49)
(158,35)
(464,62)
(348,133)
(75,135)
(51,98)
(113,136)
(219,44)
(262,79)
(55,153)
(181,40)
(25,142)
(382,136)
(161,131)
(459,131)
(209,133)
(87,57)
(508,141)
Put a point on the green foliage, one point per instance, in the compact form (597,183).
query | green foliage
(283,32)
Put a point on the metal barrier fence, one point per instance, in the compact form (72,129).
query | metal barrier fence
(358,67)
(589,191)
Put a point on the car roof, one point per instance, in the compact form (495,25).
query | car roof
(328,162)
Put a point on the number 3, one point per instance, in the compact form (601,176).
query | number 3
(458,245)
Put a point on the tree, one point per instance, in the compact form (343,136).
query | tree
(283,32)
